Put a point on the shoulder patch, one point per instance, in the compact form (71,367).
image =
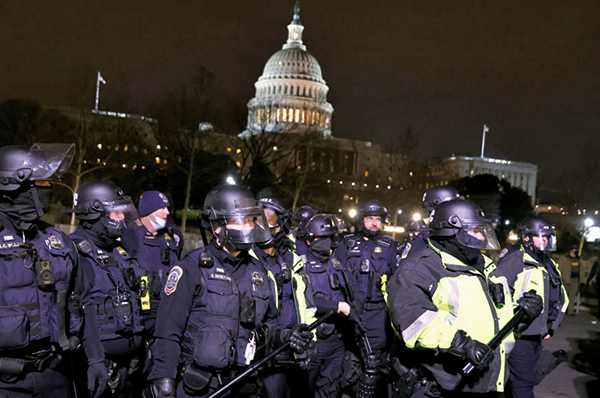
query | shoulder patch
(54,242)
(503,252)
(257,278)
(336,263)
(406,250)
(173,279)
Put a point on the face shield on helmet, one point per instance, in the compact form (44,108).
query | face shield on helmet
(119,213)
(465,220)
(248,226)
(538,235)
(41,162)
(478,235)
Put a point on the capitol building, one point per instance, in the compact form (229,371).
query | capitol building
(291,95)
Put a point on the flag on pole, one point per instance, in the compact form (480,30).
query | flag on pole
(486,129)
(101,79)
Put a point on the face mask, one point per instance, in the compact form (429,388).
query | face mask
(321,246)
(158,223)
(27,205)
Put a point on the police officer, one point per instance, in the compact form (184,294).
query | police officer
(431,199)
(334,289)
(301,216)
(114,326)
(218,305)
(371,257)
(294,296)
(37,275)
(526,265)
(418,233)
(154,247)
(436,195)
(445,306)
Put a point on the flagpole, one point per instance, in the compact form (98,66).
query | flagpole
(97,89)
(485,128)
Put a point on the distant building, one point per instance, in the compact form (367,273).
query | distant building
(517,174)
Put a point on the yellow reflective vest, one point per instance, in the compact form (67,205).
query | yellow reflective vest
(523,273)
(431,297)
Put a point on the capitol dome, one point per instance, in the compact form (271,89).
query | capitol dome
(292,63)
(291,94)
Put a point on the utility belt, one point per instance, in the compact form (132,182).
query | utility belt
(13,368)
(412,381)
(375,306)
(200,380)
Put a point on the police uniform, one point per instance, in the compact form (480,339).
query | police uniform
(372,260)
(212,309)
(114,326)
(524,270)
(156,254)
(408,249)
(37,278)
(431,297)
(331,284)
(295,306)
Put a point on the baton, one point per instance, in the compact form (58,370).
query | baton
(266,359)
(495,342)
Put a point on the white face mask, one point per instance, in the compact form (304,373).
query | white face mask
(158,223)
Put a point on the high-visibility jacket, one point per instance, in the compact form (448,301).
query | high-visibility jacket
(431,297)
(523,273)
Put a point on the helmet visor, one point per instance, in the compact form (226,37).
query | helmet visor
(49,161)
(251,227)
(544,241)
(478,235)
(119,213)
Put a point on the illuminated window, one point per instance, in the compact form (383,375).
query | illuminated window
(125,148)
(99,146)
(303,116)
(228,149)
(157,159)
(277,117)
(297,116)
(291,115)
(366,173)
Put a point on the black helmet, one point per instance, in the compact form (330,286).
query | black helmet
(303,214)
(104,200)
(540,228)
(229,205)
(321,225)
(467,221)
(284,214)
(372,207)
(40,162)
(418,227)
(436,195)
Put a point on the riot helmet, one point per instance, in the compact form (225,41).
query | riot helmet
(465,220)
(371,208)
(321,225)
(41,162)
(303,214)
(436,195)
(538,234)
(24,173)
(104,201)
(277,213)
(235,217)
(320,231)
(416,228)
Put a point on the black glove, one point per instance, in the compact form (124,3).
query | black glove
(162,388)
(97,376)
(299,337)
(479,354)
(532,304)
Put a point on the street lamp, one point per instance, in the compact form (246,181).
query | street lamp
(352,213)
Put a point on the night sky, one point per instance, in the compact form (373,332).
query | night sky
(529,70)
